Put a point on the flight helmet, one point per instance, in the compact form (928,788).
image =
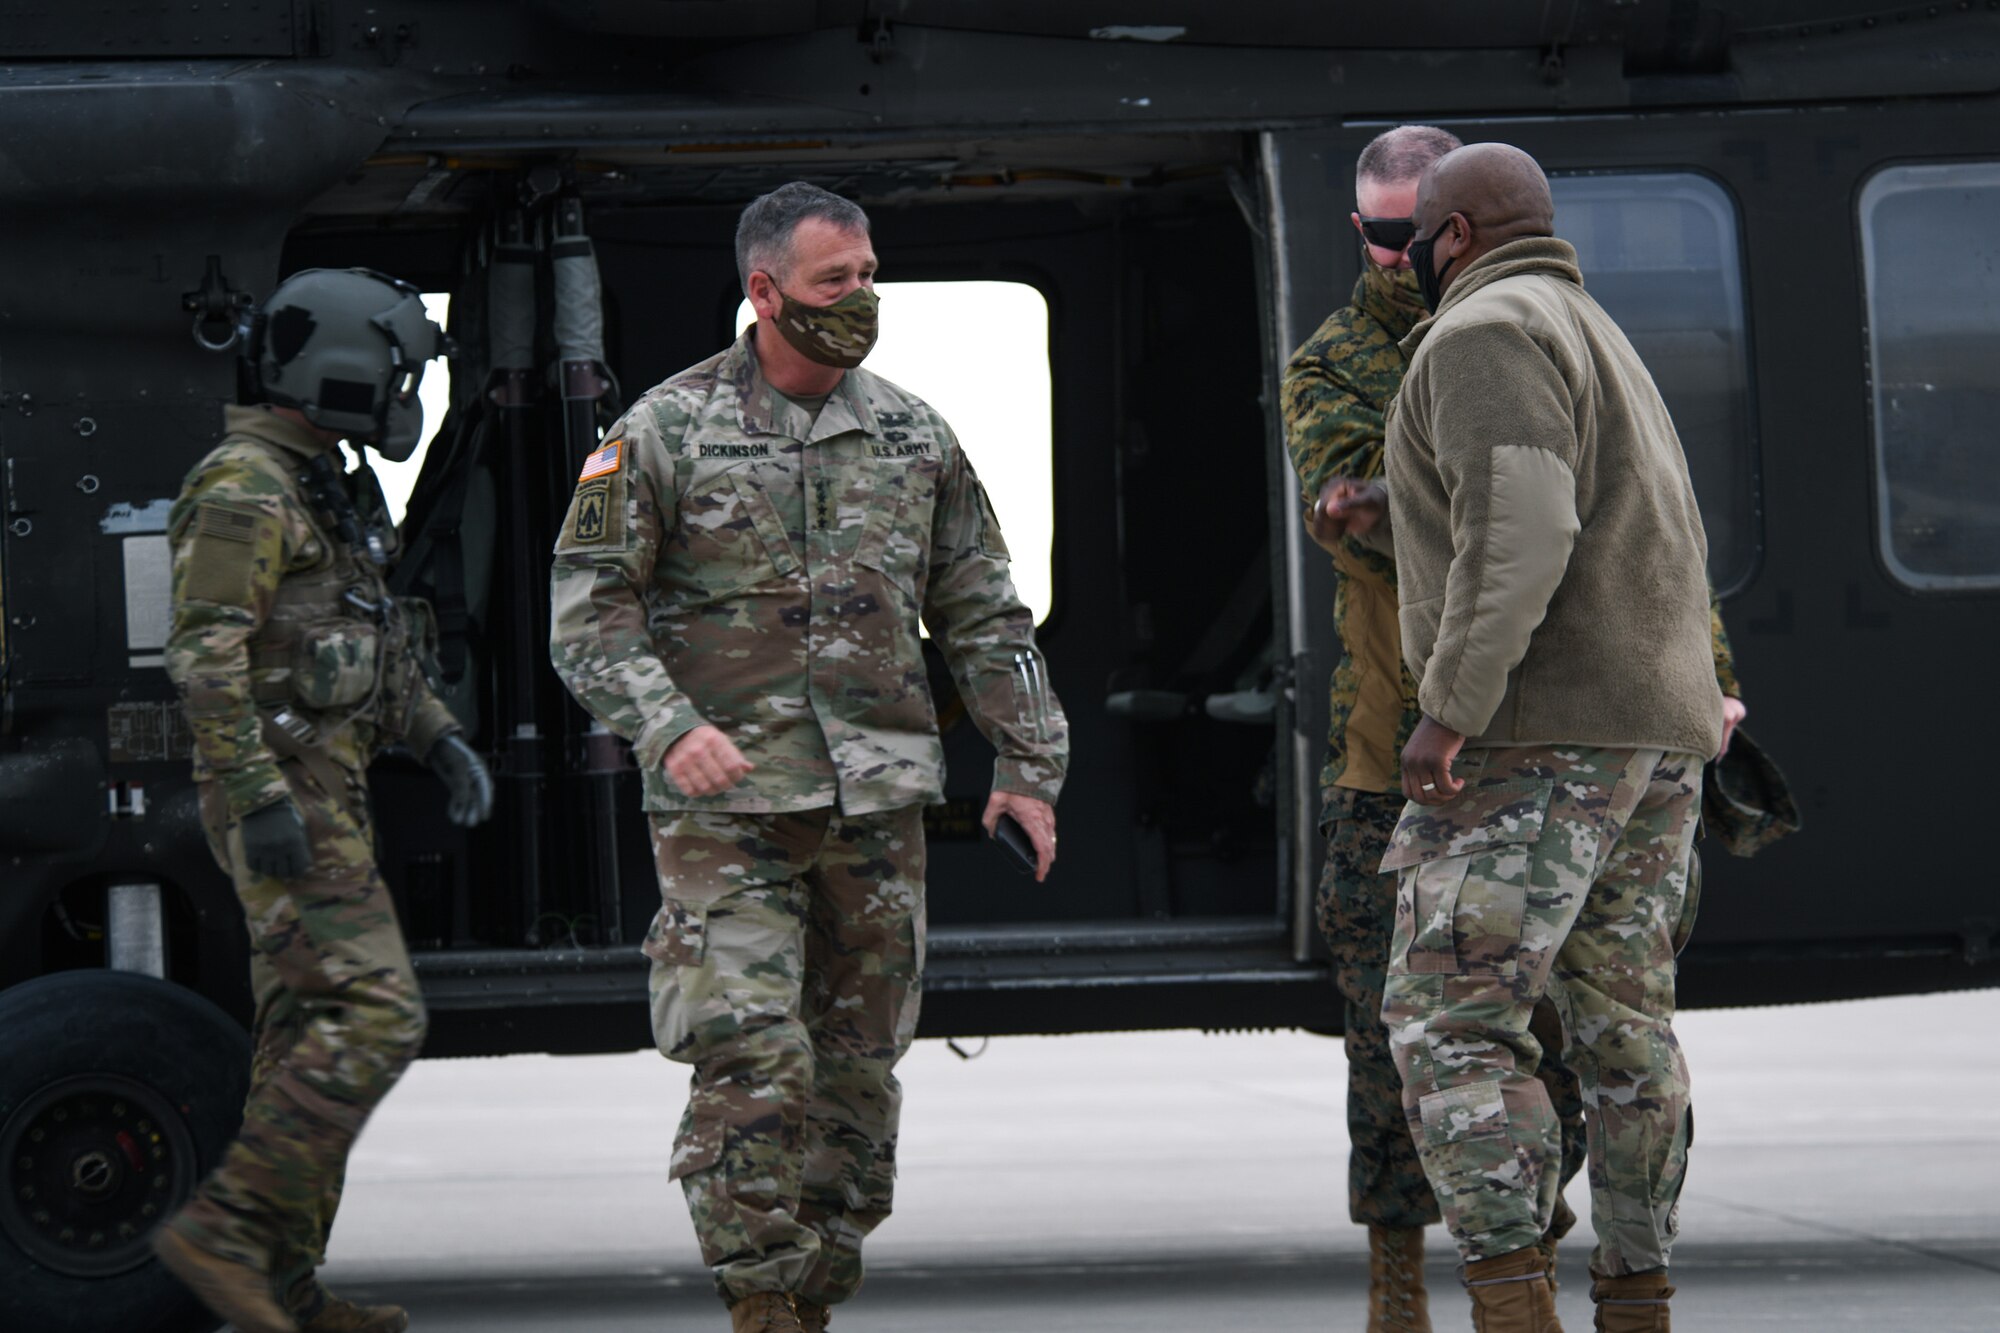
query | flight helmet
(347,348)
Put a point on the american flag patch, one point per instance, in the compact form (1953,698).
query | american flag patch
(603,461)
(212,520)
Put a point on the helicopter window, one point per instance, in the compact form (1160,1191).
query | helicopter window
(1931,264)
(434,392)
(1007,436)
(1661,253)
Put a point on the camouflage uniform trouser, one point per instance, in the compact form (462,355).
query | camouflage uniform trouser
(785,968)
(1356,908)
(1560,870)
(339,1018)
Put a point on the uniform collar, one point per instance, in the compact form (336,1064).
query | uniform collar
(762,410)
(1530,255)
(260,423)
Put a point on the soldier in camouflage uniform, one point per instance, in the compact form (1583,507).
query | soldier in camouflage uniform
(296,666)
(1551,554)
(737,591)
(1335,391)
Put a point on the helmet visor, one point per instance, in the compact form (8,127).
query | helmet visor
(413,340)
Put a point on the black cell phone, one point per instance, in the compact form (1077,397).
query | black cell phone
(1017,849)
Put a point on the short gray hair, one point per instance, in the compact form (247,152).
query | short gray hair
(1403,153)
(764,232)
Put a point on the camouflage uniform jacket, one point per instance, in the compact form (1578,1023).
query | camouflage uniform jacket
(273,656)
(1335,392)
(728,560)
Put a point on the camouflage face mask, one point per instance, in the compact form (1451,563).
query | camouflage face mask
(1397,288)
(841,334)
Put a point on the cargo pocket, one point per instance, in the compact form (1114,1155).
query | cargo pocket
(1463,1114)
(764,517)
(1464,869)
(1431,891)
(335,663)
(734,537)
(991,544)
(678,936)
(698,1148)
(1690,903)
(679,992)
(889,542)
(887,548)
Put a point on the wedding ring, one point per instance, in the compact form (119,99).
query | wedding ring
(1430,786)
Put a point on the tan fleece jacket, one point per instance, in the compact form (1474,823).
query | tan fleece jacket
(1551,555)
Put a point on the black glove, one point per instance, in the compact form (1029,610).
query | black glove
(471,786)
(274,842)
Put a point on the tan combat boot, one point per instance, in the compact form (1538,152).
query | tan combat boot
(764,1312)
(335,1315)
(237,1292)
(1511,1294)
(812,1318)
(1397,1302)
(1634,1304)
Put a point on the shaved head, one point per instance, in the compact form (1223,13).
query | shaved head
(1471,202)
(1401,154)
(1499,188)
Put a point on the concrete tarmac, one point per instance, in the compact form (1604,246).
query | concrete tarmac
(1845,1174)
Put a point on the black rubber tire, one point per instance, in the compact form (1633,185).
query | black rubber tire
(87,1029)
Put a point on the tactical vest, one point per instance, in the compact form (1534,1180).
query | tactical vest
(334,666)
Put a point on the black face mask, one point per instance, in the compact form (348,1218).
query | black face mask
(1430,283)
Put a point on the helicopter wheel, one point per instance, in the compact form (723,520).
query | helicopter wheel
(118,1092)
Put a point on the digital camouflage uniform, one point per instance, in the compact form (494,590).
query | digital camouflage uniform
(1560,871)
(296,666)
(1335,391)
(730,559)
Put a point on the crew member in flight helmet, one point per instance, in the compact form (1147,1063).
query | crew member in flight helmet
(297,666)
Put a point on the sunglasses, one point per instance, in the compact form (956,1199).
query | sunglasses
(1389,233)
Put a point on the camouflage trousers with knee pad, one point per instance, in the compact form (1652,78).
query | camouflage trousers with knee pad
(1558,870)
(339,1018)
(785,969)
(1356,910)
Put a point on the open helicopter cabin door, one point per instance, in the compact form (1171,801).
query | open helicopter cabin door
(1097,337)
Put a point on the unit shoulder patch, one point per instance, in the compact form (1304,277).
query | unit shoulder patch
(596,514)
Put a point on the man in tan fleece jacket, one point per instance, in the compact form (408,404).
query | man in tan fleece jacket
(1555,614)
